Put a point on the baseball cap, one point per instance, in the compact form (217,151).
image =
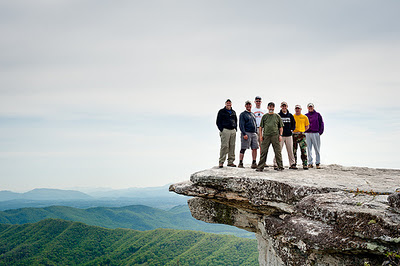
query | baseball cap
(297,106)
(310,104)
(228,100)
(247,102)
(257,98)
(284,103)
(271,104)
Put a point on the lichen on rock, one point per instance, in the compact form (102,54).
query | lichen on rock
(331,216)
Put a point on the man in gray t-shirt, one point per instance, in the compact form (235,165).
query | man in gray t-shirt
(248,127)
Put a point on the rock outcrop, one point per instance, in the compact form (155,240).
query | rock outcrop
(331,216)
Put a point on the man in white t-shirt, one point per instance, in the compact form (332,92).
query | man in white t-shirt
(258,112)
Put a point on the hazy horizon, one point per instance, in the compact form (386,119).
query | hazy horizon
(125,94)
(87,189)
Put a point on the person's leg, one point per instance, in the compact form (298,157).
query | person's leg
(295,139)
(303,149)
(317,146)
(276,145)
(309,141)
(289,149)
(224,135)
(241,155)
(281,144)
(264,152)
(254,148)
(243,148)
(232,141)
(254,153)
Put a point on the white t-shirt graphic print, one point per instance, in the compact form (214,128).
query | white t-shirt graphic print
(258,112)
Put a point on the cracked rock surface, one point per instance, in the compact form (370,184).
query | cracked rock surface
(331,216)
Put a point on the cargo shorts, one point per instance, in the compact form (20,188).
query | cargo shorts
(250,142)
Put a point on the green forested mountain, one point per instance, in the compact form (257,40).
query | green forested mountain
(136,217)
(60,242)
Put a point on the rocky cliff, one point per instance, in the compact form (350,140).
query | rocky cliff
(331,216)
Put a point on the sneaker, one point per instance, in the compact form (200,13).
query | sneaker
(232,165)
(280,169)
(275,167)
(310,166)
(293,166)
(220,166)
(305,167)
(259,170)
(240,165)
(253,166)
(317,166)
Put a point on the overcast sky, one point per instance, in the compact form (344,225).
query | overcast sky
(125,93)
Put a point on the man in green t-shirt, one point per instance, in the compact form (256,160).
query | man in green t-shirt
(271,130)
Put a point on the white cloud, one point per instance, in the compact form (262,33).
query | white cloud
(85,70)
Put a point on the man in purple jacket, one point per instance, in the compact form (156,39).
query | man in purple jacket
(313,135)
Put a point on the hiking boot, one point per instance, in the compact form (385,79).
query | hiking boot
(293,166)
(305,167)
(232,165)
(253,166)
(220,165)
(259,170)
(317,166)
(275,167)
(310,166)
(240,165)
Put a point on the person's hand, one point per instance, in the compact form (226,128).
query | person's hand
(280,138)
(245,137)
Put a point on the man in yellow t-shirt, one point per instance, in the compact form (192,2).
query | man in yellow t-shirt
(299,137)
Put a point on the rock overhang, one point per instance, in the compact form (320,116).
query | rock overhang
(335,209)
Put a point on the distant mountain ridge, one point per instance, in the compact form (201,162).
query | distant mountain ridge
(63,194)
(60,242)
(44,194)
(158,197)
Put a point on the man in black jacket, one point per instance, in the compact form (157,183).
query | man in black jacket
(289,124)
(227,125)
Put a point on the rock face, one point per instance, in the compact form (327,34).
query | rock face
(331,216)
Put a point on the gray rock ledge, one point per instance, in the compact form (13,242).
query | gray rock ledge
(331,216)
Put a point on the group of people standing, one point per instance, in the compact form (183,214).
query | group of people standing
(263,128)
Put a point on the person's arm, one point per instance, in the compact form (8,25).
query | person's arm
(242,121)
(235,118)
(321,124)
(219,122)
(293,123)
(308,124)
(280,128)
(260,133)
